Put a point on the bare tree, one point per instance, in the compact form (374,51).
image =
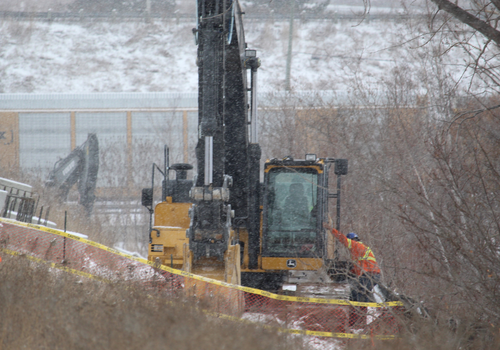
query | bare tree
(463,35)
(422,190)
(482,16)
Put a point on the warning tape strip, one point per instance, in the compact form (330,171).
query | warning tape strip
(54,265)
(306,332)
(205,279)
(210,313)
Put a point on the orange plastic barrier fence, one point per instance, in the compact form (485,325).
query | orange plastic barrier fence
(322,322)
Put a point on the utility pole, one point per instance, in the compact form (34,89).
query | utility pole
(148,11)
(290,40)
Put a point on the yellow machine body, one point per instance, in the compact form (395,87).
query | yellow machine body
(170,246)
(171,220)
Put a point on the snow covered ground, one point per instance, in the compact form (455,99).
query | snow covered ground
(100,57)
(134,56)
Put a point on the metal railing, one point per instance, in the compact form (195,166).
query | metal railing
(189,17)
(19,205)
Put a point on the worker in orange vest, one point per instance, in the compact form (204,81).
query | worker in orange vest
(366,271)
(365,266)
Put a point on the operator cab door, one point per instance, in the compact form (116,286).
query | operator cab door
(291,217)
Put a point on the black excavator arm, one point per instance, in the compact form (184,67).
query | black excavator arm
(80,166)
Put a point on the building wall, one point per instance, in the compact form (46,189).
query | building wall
(9,140)
(36,131)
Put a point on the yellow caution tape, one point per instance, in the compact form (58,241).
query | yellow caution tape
(213,314)
(205,279)
(305,332)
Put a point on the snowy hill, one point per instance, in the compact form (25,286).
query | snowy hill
(135,56)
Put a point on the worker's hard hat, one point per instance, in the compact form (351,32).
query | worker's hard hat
(352,235)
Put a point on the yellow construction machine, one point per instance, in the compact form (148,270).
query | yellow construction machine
(225,224)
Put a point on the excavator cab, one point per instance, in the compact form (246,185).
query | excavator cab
(296,251)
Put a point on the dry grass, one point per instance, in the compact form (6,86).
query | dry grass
(428,334)
(47,309)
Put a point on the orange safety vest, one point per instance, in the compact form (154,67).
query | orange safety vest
(362,256)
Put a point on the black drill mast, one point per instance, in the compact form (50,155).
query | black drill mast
(226,192)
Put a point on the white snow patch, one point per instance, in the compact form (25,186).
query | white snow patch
(81,235)
(134,254)
(41,57)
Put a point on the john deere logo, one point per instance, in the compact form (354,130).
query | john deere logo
(291,263)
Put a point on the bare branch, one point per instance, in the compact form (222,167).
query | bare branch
(474,113)
(496,3)
(469,19)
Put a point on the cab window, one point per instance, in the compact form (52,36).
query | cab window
(291,215)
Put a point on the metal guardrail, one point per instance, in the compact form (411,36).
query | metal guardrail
(110,16)
(175,102)
(72,16)
(18,201)
(80,101)
(19,207)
